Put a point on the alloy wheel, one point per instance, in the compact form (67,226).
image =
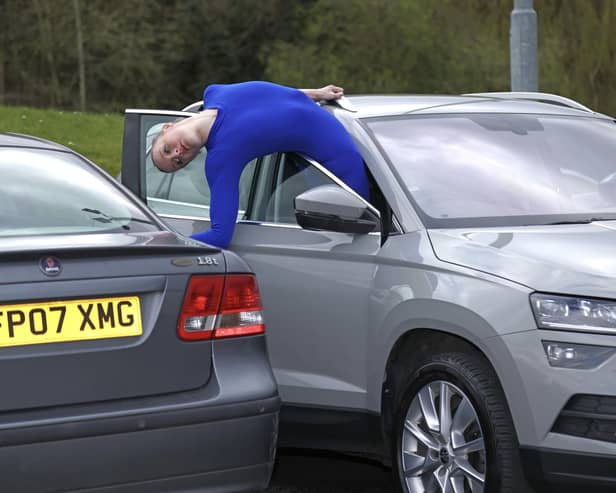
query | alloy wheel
(442,448)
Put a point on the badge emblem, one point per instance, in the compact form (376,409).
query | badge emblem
(50,266)
(206,261)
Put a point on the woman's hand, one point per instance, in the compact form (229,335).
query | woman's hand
(331,92)
(327,93)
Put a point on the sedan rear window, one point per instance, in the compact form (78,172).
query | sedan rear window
(50,192)
(477,170)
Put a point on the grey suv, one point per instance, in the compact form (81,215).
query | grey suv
(462,325)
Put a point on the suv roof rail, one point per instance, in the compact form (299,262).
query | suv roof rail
(341,102)
(542,97)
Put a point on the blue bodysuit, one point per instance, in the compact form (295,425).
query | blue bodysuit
(259,118)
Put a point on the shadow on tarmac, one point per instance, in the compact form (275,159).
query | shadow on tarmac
(305,471)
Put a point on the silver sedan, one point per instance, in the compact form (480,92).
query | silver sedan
(132,358)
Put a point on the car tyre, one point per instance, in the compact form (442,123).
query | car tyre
(453,431)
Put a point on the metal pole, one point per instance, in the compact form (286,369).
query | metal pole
(523,46)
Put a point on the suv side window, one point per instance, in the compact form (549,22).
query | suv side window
(185,192)
(282,177)
(292,176)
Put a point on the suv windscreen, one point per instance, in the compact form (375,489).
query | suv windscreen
(50,192)
(477,170)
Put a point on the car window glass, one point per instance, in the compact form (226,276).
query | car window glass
(293,175)
(50,192)
(246,180)
(186,191)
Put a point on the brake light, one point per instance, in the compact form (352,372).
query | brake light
(201,306)
(218,306)
(241,310)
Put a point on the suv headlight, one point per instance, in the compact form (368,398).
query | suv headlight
(574,314)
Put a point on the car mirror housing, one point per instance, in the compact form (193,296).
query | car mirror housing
(332,208)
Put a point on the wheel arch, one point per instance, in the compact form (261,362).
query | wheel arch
(409,345)
(438,349)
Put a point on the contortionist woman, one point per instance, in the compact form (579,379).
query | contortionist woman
(241,122)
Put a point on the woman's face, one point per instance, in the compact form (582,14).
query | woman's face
(175,146)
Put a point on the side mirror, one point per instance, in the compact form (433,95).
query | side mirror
(332,208)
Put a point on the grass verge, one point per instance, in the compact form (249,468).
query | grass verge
(97,136)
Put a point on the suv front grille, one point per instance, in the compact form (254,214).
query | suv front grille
(588,416)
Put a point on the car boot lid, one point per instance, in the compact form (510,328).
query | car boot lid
(152,241)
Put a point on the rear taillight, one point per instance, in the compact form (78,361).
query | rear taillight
(218,306)
(241,310)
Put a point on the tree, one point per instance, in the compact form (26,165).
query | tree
(80,57)
(395,46)
(162,53)
(42,10)
(577,51)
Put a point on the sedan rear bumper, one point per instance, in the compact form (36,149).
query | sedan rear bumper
(194,454)
(219,437)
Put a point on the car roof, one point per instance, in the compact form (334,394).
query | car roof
(21,140)
(366,106)
(374,105)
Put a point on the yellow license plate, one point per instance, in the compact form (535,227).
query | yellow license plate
(73,320)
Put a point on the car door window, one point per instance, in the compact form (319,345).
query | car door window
(292,175)
(186,191)
(282,177)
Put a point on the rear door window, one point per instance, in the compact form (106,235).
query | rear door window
(184,193)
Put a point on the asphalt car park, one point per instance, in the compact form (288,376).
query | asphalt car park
(301,471)
(133,359)
(460,325)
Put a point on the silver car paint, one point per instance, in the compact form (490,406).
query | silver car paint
(548,258)
(426,293)
(538,392)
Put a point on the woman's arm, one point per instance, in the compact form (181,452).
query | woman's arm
(326,93)
(223,176)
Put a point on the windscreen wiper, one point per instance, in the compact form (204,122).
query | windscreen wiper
(106,218)
(581,221)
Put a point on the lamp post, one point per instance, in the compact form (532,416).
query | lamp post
(523,46)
